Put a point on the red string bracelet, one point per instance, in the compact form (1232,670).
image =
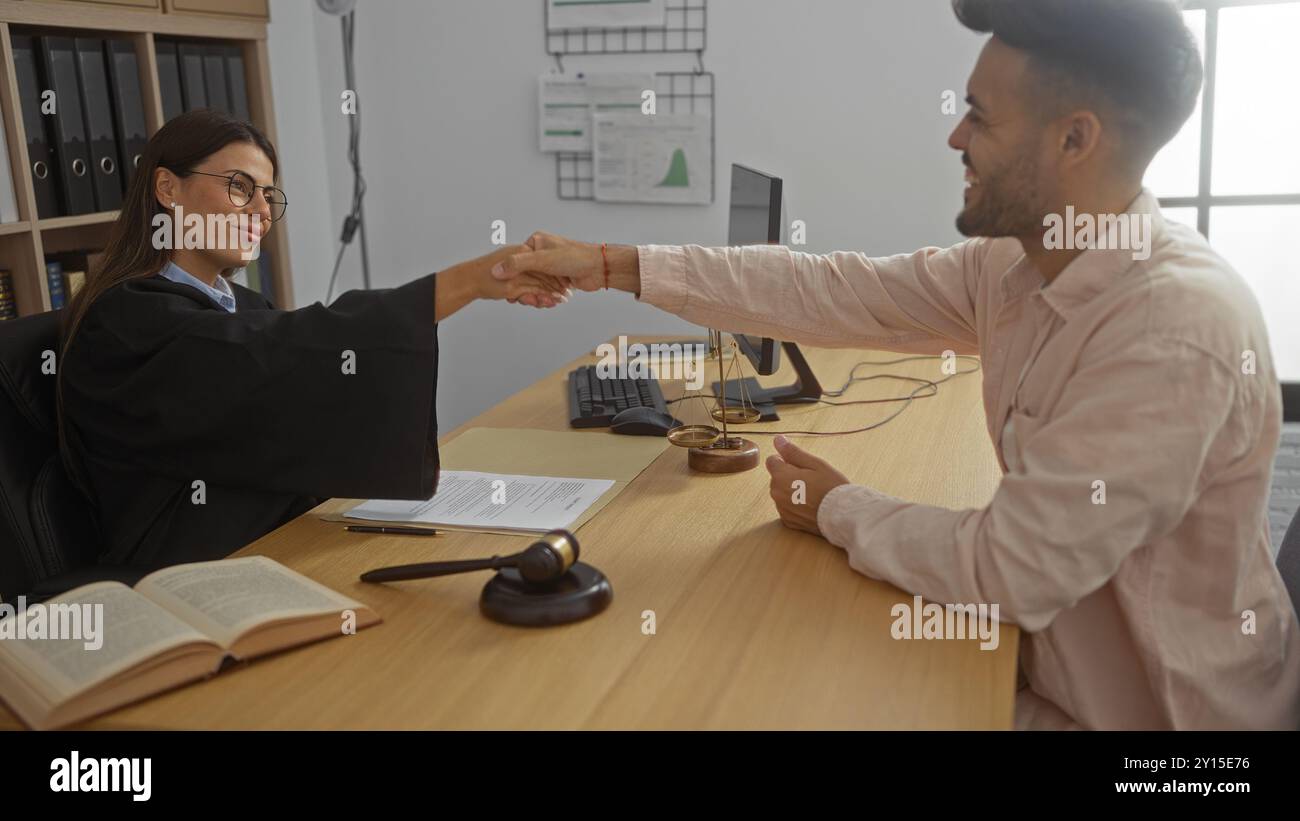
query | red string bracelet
(604,256)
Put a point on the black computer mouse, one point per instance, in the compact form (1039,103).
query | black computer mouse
(643,422)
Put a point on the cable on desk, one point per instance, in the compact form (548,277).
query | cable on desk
(926,384)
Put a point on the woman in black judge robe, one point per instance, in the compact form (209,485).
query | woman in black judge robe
(193,414)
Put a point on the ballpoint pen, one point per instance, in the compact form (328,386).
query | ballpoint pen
(392,529)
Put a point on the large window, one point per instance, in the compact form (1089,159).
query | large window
(1233,172)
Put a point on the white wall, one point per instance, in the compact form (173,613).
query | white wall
(304,168)
(841,98)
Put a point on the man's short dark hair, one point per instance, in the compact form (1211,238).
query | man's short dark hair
(1135,57)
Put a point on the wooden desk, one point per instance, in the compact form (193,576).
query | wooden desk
(757,625)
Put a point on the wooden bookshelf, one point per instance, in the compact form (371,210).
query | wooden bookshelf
(24,244)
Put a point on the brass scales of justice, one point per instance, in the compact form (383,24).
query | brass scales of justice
(714,450)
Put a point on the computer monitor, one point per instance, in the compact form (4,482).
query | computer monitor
(755,219)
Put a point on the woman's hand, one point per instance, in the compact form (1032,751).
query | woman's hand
(461,284)
(580,264)
(546,291)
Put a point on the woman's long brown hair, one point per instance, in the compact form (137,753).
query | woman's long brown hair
(179,146)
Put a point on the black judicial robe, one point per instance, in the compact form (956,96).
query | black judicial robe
(162,388)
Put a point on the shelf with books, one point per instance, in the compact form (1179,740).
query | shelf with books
(23,290)
(235,45)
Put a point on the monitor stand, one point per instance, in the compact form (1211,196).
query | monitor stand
(805,389)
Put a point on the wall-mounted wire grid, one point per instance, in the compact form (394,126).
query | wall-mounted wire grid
(684,30)
(676,92)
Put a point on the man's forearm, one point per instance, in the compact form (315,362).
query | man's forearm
(909,303)
(625,268)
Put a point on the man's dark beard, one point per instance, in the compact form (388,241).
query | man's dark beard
(1006,204)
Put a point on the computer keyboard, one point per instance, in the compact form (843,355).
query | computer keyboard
(1285,497)
(594,402)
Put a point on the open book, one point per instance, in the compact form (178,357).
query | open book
(115,645)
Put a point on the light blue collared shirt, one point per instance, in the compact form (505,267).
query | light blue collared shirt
(222,294)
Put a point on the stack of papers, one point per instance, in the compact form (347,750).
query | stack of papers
(511,480)
(468,498)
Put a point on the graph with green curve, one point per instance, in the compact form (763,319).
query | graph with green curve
(677,176)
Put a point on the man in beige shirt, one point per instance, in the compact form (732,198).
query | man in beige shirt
(1129,391)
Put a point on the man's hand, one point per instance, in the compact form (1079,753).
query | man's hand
(797,504)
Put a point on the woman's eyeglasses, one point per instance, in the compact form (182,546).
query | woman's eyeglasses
(240,188)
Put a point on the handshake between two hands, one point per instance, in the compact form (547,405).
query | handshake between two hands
(544,271)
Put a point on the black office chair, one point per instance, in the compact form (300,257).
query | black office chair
(49,539)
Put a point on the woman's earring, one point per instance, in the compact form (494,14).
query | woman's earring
(173,203)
